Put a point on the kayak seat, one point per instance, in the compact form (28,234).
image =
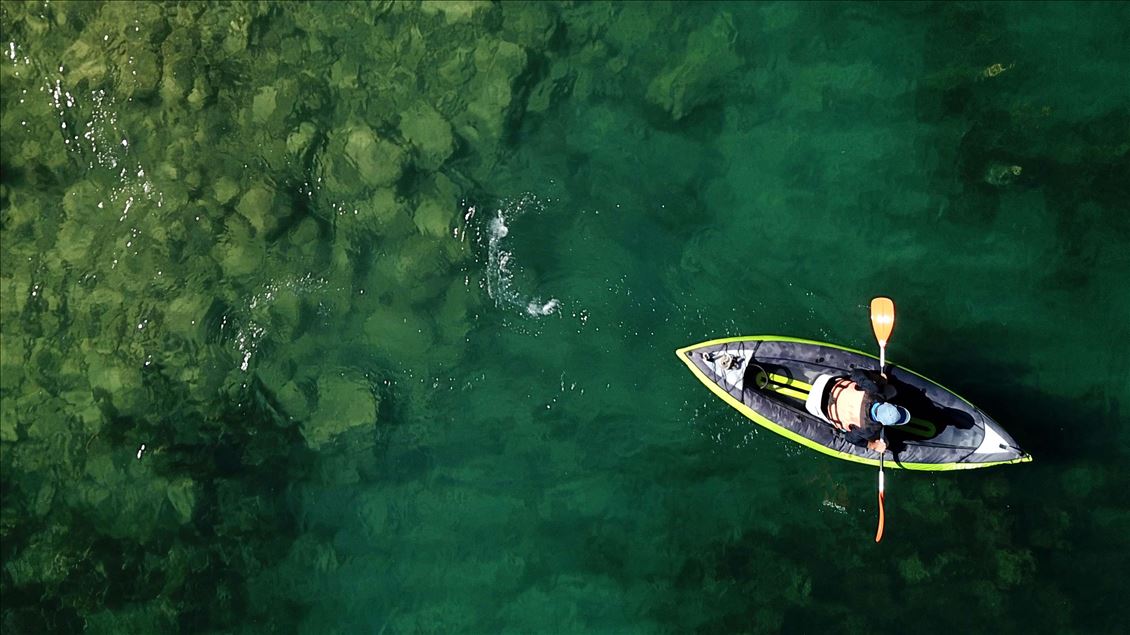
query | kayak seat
(816,397)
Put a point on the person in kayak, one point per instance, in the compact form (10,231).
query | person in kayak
(857,406)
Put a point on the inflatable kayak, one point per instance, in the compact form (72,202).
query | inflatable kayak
(769,379)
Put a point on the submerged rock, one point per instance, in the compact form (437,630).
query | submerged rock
(494,69)
(8,430)
(75,242)
(141,75)
(429,134)
(120,495)
(120,383)
(345,402)
(438,208)
(181,494)
(453,319)
(264,103)
(237,253)
(531,24)
(698,77)
(386,215)
(357,158)
(299,140)
(285,313)
(224,189)
(85,63)
(378,161)
(272,104)
(1000,174)
(293,401)
(258,206)
(185,313)
(455,11)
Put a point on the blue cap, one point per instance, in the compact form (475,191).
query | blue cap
(889,414)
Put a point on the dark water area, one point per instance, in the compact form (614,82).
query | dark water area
(360,317)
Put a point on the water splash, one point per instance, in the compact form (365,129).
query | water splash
(500,262)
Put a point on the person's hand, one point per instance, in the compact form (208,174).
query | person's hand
(877,445)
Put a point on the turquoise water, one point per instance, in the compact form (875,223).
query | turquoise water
(360,317)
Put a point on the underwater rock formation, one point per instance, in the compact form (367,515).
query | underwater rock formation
(344,402)
(696,78)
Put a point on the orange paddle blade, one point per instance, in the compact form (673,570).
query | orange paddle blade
(879,533)
(882,319)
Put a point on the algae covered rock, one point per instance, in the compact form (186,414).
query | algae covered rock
(299,140)
(496,65)
(531,24)
(271,105)
(258,206)
(429,135)
(119,382)
(385,214)
(356,158)
(1014,566)
(41,561)
(698,77)
(141,74)
(438,208)
(75,242)
(181,494)
(224,189)
(294,401)
(8,430)
(285,312)
(455,11)
(185,314)
(85,63)
(14,350)
(345,402)
(237,252)
(122,495)
(264,103)
(378,161)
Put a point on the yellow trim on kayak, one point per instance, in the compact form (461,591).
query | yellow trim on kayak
(805,441)
(789,392)
(784,385)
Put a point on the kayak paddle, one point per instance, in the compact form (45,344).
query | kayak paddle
(882,323)
(879,531)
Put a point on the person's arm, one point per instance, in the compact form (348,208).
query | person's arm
(873,384)
(875,445)
(865,382)
(855,438)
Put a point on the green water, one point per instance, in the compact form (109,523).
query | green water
(389,293)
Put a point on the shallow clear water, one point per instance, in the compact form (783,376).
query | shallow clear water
(348,317)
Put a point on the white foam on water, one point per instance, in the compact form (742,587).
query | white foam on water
(500,262)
